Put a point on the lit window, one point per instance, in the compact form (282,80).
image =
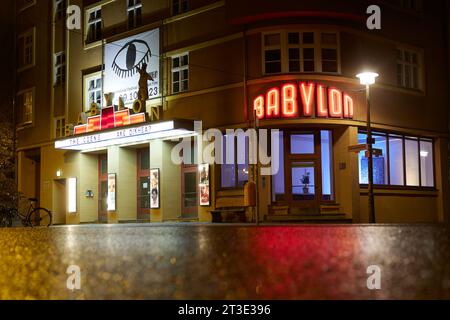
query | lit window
(295,51)
(60,68)
(60,127)
(26,49)
(179,6)
(134,11)
(409,160)
(408,69)
(93,90)
(180,73)
(234,174)
(60,9)
(26,106)
(426,163)
(94,25)
(396,162)
(326,145)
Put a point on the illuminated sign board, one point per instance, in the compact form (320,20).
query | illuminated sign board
(125,136)
(108,119)
(124,58)
(303,99)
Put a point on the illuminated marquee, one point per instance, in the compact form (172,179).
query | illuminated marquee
(108,119)
(303,100)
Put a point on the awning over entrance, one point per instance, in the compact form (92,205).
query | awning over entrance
(128,135)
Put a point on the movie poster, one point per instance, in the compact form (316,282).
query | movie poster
(111,192)
(123,60)
(204,184)
(154,189)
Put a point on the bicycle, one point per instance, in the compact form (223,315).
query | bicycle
(35,216)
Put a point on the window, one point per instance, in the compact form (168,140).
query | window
(26,49)
(180,73)
(60,9)
(295,51)
(179,6)
(26,106)
(93,90)
(302,143)
(404,161)
(272,53)
(234,173)
(60,68)
(60,127)
(326,145)
(409,69)
(94,25)
(134,11)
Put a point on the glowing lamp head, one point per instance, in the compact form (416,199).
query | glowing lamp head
(367,78)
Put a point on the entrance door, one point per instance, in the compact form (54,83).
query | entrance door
(103,188)
(189,192)
(143,187)
(302,174)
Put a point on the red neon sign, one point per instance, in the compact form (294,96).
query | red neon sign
(289,101)
(307,95)
(315,100)
(273,103)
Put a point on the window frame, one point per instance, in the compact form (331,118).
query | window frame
(236,165)
(404,64)
(180,70)
(61,66)
(179,7)
(22,93)
(62,127)
(59,12)
(88,24)
(22,55)
(317,46)
(86,78)
(404,137)
(133,8)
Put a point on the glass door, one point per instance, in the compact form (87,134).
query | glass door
(143,181)
(103,188)
(298,183)
(189,192)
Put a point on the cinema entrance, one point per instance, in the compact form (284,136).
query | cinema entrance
(304,180)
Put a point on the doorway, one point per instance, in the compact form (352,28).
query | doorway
(59,201)
(304,180)
(189,191)
(103,188)
(143,184)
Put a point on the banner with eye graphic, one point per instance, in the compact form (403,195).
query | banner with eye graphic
(123,60)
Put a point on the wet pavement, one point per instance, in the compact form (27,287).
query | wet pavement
(204,261)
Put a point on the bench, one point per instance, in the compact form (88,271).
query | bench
(228,214)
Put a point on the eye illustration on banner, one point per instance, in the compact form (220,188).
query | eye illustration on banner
(130,58)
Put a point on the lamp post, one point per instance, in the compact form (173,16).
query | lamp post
(367,79)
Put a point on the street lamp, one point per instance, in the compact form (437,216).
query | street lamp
(367,79)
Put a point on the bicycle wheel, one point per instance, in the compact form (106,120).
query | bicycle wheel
(40,217)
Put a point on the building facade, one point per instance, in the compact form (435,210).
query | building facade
(285,66)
